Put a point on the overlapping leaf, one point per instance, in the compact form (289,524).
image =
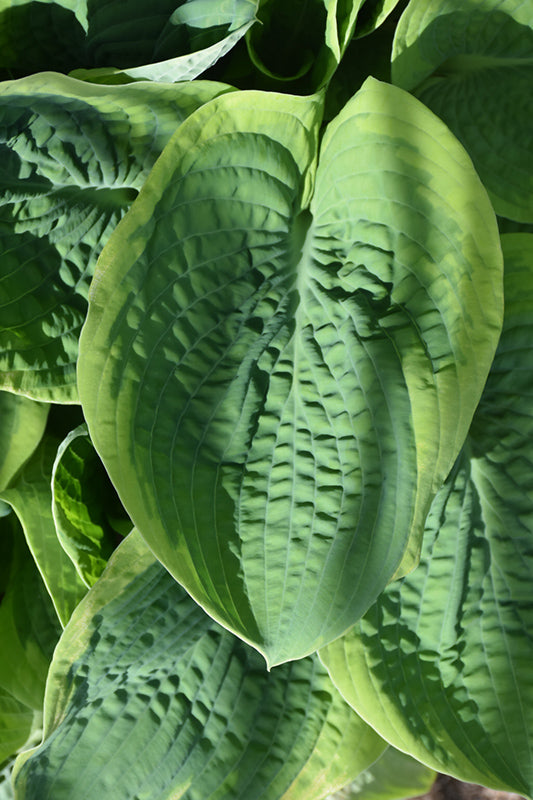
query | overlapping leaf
(471,62)
(158,40)
(84,505)
(73,157)
(441,664)
(148,697)
(31,498)
(22,424)
(277,392)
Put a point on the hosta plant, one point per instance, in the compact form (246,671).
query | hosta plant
(266,488)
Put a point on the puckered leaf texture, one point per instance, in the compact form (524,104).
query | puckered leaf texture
(276,384)
(149,698)
(441,664)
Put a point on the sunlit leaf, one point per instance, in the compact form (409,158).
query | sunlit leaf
(148,697)
(441,664)
(471,62)
(277,391)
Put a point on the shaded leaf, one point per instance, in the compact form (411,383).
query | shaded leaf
(394,776)
(29,631)
(441,664)
(373,14)
(148,697)
(157,40)
(15,726)
(83,500)
(302,41)
(73,157)
(472,64)
(277,392)
(22,424)
(31,498)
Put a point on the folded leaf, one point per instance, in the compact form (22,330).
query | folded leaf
(22,426)
(373,14)
(441,664)
(82,501)
(471,62)
(73,157)
(29,631)
(277,389)
(321,30)
(31,498)
(148,697)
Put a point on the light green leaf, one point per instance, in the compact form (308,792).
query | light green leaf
(278,391)
(22,424)
(31,498)
(73,157)
(148,697)
(29,631)
(441,664)
(302,41)
(394,776)
(158,40)
(83,499)
(471,62)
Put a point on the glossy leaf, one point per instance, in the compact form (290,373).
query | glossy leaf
(394,776)
(441,664)
(471,62)
(73,158)
(22,426)
(31,498)
(157,40)
(277,391)
(83,499)
(148,697)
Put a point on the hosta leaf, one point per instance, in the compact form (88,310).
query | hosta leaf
(321,30)
(471,62)
(22,424)
(148,697)
(158,40)
(373,14)
(73,157)
(394,776)
(31,498)
(83,499)
(29,631)
(277,393)
(441,664)
(15,726)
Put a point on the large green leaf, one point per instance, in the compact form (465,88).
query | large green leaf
(31,498)
(277,391)
(471,61)
(394,776)
(148,697)
(302,41)
(158,40)
(22,424)
(73,157)
(84,504)
(441,664)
